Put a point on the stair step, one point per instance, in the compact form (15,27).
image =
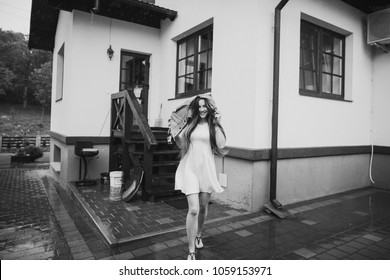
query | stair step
(141,141)
(158,152)
(163,185)
(165,163)
(153,128)
(164,176)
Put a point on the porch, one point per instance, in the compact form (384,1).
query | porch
(120,222)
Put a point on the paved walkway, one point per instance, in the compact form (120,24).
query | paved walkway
(39,219)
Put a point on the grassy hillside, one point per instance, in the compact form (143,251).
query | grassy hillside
(13,118)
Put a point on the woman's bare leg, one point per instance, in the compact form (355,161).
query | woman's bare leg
(204,199)
(192,220)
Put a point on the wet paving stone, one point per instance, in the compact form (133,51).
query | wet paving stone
(27,217)
(44,221)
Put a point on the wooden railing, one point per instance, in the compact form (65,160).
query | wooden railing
(12,143)
(125,113)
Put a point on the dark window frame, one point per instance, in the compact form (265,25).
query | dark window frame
(319,60)
(60,73)
(194,37)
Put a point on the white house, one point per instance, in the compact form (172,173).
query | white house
(305,109)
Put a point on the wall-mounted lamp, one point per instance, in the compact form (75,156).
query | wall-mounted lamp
(110,52)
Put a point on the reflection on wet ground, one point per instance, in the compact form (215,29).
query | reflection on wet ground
(121,222)
(39,219)
(28,226)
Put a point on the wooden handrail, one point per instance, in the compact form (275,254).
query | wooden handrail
(140,118)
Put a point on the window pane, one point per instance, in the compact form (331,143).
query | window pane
(209,74)
(337,64)
(337,83)
(182,50)
(125,78)
(202,61)
(310,80)
(123,86)
(191,46)
(308,60)
(180,85)
(125,60)
(301,82)
(338,47)
(210,59)
(326,83)
(327,43)
(308,38)
(182,69)
(204,41)
(190,65)
(326,63)
(189,83)
(202,80)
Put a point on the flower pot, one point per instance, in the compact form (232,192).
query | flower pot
(22,158)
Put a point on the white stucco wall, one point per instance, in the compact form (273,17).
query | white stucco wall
(234,48)
(242,87)
(381,117)
(60,113)
(381,98)
(243,65)
(91,76)
(309,178)
(310,122)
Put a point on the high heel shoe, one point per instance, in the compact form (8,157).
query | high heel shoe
(198,242)
(191,256)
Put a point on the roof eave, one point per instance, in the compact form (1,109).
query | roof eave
(44,16)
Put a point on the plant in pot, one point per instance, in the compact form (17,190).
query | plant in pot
(34,151)
(27,154)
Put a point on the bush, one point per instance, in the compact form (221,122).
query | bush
(34,151)
(21,151)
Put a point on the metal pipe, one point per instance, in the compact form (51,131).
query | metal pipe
(275,101)
(96,8)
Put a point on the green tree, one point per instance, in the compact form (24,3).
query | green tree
(6,77)
(41,81)
(17,63)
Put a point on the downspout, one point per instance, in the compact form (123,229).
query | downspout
(96,8)
(275,106)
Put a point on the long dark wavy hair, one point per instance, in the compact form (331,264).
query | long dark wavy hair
(193,122)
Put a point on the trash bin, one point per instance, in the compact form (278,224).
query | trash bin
(116,181)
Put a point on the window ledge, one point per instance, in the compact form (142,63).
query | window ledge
(323,96)
(56,166)
(184,96)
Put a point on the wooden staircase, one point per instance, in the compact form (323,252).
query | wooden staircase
(133,143)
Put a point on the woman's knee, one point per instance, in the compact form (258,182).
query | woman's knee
(203,209)
(193,211)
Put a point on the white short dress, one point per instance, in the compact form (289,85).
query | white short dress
(196,171)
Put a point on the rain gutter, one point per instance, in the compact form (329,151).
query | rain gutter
(275,105)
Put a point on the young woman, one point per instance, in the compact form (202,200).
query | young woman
(196,175)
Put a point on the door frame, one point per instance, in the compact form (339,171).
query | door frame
(145,83)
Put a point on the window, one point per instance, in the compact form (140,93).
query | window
(322,60)
(134,75)
(60,73)
(194,63)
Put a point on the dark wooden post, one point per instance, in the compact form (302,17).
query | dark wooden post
(148,169)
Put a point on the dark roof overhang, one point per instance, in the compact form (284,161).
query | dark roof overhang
(368,6)
(44,16)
